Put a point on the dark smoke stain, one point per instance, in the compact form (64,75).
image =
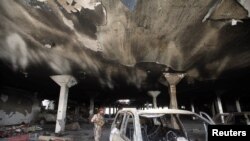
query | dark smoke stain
(190,36)
(46,15)
(85,25)
(96,16)
(235,39)
(144,35)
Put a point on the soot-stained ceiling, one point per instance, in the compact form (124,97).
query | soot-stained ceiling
(101,42)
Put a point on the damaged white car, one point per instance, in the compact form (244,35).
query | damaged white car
(159,125)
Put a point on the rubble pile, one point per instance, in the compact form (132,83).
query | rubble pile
(22,132)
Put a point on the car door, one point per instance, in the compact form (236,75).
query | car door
(128,128)
(195,128)
(116,128)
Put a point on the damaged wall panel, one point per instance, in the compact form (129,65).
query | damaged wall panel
(17,107)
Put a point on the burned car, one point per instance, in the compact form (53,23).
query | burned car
(159,125)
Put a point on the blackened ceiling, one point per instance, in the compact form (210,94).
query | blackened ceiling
(102,43)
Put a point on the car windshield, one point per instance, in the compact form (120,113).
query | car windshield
(167,127)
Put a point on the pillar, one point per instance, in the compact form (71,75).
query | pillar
(237,102)
(173,79)
(109,111)
(192,107)
(219,108)
(91,107)
(213,109)
(154,95)
(114,109)
(77,112)
(238,107)
(147,105)
(65,82)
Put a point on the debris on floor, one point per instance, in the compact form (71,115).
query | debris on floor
(22,132)
(53,138)
(79,131)
(73,126)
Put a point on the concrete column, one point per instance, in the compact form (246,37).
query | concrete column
(237,102)
(238,107)
(173,79)
(213,109)
(109,111)
(91,107)
(192,107)
(147,105)
(154,95)
(114,110)
(77,111)
(220,108)
(65,82)
(173,98)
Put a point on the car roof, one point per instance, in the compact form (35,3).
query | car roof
(158,111)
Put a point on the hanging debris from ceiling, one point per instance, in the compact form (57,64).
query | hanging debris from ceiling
(77,5)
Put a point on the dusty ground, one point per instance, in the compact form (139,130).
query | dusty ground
(85,134)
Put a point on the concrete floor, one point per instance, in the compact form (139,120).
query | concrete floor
(84,134)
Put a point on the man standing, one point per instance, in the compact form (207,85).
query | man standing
(98,121)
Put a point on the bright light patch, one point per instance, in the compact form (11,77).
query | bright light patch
(124,101)
(48,104)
